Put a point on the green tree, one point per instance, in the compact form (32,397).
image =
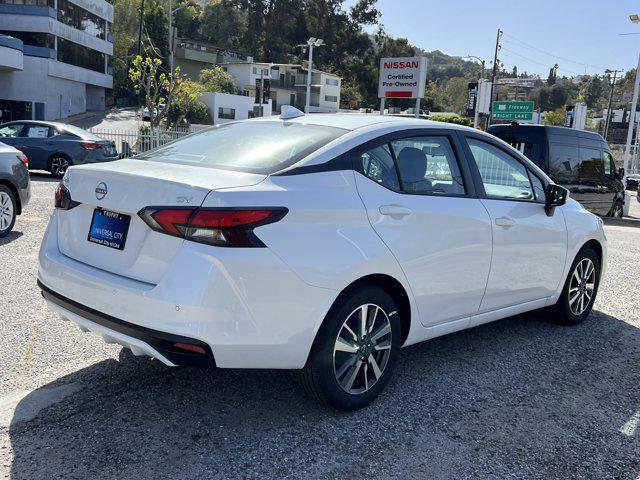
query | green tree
(185,100)
(557,117)
(593,91)
(215,79)
(125,37)
(350,95)
(224,23)
(159,88)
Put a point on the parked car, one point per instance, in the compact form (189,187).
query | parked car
(579,160)
(633,181)
(15,189)
(56,146)
(322,243)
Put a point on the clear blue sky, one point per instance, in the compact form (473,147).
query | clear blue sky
(574,32)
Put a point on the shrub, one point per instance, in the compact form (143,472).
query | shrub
(452,119)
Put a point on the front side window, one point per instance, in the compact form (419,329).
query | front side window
(260,147)
(502,175)
(609,164)
(377,164)
(564,160)
(428,165)
(591,164)
(37,131)
(12,130)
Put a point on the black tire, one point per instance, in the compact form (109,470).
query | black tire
(319,376)
(564,310)
(58,164)
(8,210)
(617,211)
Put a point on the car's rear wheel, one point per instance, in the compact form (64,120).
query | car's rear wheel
(355,350)
(617,211)
(58,165)
(7,210)
(580,289)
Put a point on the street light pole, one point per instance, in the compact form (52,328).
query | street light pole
(634,104)
(312,42)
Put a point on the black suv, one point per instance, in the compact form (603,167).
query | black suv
(576,159)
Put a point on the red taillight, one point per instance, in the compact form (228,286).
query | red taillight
(23,158)
(191,348)
(214,226)
(91,145)
(63,198)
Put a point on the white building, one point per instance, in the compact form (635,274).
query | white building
(224,107)
(287,84)
(61,64)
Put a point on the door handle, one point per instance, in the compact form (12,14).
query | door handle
(394,210)
(505,222)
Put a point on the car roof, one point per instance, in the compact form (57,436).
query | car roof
(354,121)
(81,132)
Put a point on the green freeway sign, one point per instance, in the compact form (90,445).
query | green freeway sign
(512,111)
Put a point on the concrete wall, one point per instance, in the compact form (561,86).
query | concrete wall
(10,59)
(242,105)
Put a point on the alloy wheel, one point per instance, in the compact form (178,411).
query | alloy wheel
(59,165)
(582,286)
(362,349)
(617,211)
(6,211)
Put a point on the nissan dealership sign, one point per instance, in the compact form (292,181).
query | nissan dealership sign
(402,77)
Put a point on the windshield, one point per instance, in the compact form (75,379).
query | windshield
(257,147)
(84,134)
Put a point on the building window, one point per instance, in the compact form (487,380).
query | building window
(39,3)
(227,113)
(332,81)
(33,39)
(77,17)
(330,98)
(258,70)
(74,54)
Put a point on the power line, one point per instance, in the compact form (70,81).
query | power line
(564,59)
(536,62)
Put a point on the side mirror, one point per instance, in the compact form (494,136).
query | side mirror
(621,173)
(555,196)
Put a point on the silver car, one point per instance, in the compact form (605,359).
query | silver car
(15,189)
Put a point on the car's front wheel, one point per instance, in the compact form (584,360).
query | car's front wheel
(580,289)
(7,210)
(58,165)
(355,350)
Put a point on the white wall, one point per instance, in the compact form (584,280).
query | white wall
(241,104)
(329,90)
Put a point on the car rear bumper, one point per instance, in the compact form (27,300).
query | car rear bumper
(169,349)
(245,305)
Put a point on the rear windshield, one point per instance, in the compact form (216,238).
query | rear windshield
(257,147)
(84,134)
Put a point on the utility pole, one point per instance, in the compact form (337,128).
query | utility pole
(613,84)
(493,75)
(140,28)
(632,119)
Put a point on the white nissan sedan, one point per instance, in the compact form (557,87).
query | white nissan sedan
(323,243)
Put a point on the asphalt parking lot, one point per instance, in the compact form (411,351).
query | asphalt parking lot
(519,398)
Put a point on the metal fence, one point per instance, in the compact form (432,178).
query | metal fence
(133,142)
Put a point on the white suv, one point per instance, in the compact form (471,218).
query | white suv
(322,243)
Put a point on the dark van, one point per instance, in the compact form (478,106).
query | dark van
(576,159)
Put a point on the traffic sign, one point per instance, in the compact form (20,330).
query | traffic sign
(512,111)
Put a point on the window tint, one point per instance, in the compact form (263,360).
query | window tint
(591,164)
(261,147)
(12,130)
(377,164)
(428,165)
(37,131)
(563,161)
(502,175)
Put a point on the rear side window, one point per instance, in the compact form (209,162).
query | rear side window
(502,175)
(428,165)
(37,131)
(12,130)
(259,147)
(563,161)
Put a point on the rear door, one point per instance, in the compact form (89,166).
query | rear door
(36,144)
(413,187)
(529,247)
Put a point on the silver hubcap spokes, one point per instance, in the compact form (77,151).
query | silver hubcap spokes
(362,349)
(59,165)
(6,211)
(582,286)
(617,211)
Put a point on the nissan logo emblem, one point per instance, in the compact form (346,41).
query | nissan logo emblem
(101,190)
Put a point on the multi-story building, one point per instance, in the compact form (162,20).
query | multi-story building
(287,84)
(54,57)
